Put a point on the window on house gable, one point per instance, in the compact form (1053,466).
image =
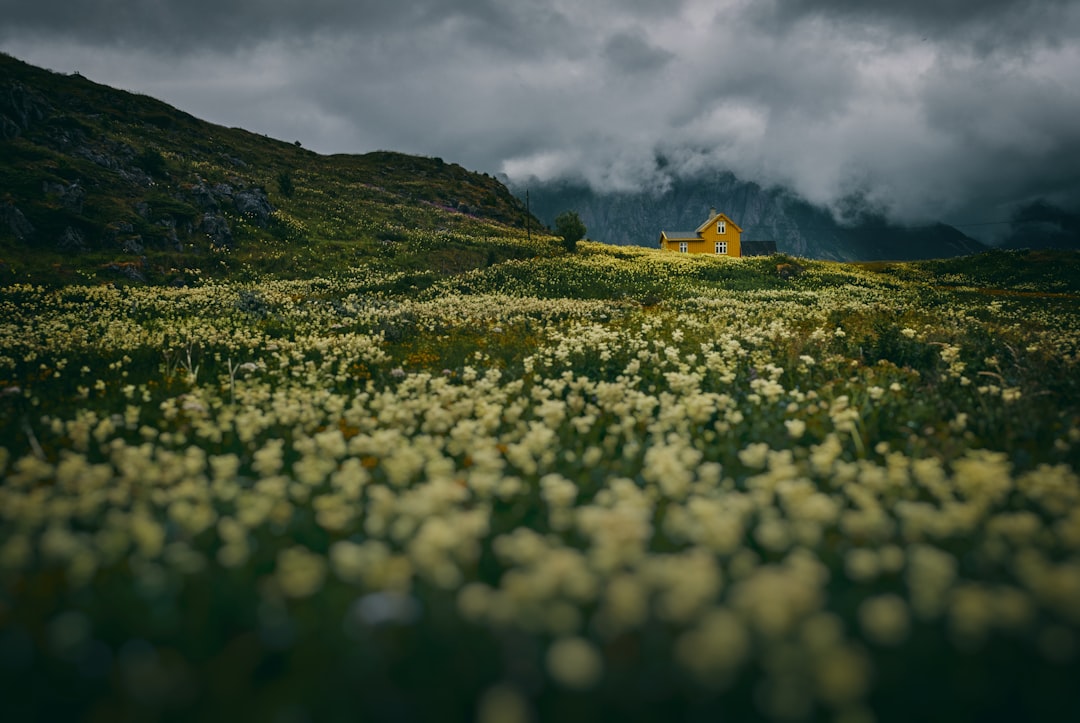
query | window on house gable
(721,247)
(721,227)
(684,247)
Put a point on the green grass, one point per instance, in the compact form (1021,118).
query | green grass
(1040,272)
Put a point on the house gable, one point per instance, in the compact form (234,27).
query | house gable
(716,219)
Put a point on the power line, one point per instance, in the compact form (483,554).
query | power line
(980,223)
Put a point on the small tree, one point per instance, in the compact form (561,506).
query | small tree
(569,226)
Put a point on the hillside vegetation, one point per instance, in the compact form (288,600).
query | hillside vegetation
(100,184)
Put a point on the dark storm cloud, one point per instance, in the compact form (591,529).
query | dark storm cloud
(942,108)
(927,14)
(179,25)
(631,53)
(211,22)
(987,26)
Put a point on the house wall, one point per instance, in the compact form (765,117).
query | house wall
(710,236)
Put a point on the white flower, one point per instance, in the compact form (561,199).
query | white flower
(795,428)
(300,572)
(574,663)
(754,455)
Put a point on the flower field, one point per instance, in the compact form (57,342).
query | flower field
(619,484)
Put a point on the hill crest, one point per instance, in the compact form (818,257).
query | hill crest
(99,181)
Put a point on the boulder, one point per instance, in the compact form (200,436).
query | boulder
(253,204)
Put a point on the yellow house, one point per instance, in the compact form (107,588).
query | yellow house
(719,235)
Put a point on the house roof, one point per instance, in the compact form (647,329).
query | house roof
(679,235)
(696,234)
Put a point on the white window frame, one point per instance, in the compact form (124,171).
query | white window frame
(721,247)
(684,247)
(721,227)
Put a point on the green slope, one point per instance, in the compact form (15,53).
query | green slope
(101,183)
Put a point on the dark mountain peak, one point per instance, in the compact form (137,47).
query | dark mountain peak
(1041,224)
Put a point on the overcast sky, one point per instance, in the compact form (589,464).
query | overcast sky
(935,109)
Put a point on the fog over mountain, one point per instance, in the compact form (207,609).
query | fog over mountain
(962,111)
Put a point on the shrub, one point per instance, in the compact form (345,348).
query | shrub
(285,184)
(569,227)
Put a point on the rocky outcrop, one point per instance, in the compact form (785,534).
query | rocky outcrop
(133,245)
(71,196)
(119,158)
(71,241)
(16,221)
(172,239)
(131,270)
(253,204)
(20,108)
(123,235)
(203,197)
(105,160)
(217,228)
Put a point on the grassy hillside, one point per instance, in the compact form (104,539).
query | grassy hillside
(1037,272)
(97,183)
